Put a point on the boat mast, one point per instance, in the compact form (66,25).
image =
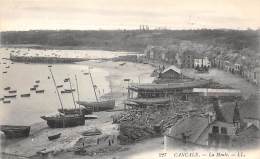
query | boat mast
(57,90)
(93,88)
(72,94)
(77,91)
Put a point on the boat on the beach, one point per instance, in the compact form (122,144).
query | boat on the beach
(13,131)
(26,95)
(37,81)
(7,88)
(83,110)
(53,137)
(100,105)
(5,72)
(10,96)
(36,85)
(64,120)
(39,91)
(12,91)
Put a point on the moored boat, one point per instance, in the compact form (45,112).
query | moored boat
(33,89)
(26,95)
(37,81)
(7,88)
(5,72)
(59,86)
(13,131)
(12,91)
(53,137)
(10,96)
(39,91)
(36,86)
(99,106)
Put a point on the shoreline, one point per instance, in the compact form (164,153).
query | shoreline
(39,131)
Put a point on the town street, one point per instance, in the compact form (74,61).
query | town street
(225,78)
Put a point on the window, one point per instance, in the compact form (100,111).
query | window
(215,130)
(223,130)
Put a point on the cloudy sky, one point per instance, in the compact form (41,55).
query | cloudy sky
(128,14)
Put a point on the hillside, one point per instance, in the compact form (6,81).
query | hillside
(131,40)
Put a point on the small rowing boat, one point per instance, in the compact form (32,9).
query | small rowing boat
(5,72)
(39,91)
(33,89)
(66,79)
(7,88)
(37,81)
(53,137)
(26,95)
(36,85)
(59,86)
(10,96)
(12,91)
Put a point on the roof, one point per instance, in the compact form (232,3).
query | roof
(247,109)
(168,86)
(252,131)
(192,127)
(172,67)
(147,101)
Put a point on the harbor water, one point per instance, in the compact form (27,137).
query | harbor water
(21,77)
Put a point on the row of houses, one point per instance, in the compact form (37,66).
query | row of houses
(175,56)
(235,63)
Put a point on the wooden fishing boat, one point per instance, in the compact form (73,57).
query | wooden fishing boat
(13,131)
(6,101)
(99,106)
(5,72)
(39,91)
(26,95)
(36,86)
(12,91)
(50,66)
(10,96)
(53,137)
(37,81)
(63,121)
(84,111)
(7,67)
(7,88)
(2,99)
(85,73)
(33,89)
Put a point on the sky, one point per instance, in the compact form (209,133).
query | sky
(128,14)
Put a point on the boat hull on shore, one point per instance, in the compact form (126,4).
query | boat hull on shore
(99,106)
(63,121)
(11,131)
(84,111)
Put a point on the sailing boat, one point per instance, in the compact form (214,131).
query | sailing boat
(98,105)
(62,120)
(75,110)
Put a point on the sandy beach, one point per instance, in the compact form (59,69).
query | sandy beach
(38,145)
